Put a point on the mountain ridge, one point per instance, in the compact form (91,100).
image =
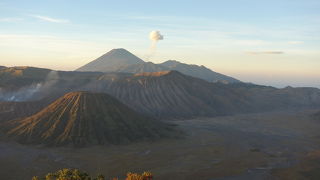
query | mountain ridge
(201,72)
(169,94)
(130,64)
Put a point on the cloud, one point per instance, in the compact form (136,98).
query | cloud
(251,42)
(23,36)
(264,52)
(50,19)
(10,19)
(295,42)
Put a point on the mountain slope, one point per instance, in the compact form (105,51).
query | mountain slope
(82,118)
(143,67)
(198,71)
(112,61)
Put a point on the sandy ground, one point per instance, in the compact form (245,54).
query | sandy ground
(238,147)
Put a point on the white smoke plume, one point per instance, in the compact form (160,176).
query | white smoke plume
(154,36)
(26,93)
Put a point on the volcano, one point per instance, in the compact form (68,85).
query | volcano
(112,61)
(83,118)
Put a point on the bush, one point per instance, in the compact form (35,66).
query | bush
(144,176)
(75,174)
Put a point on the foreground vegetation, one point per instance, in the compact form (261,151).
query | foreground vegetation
(75,174)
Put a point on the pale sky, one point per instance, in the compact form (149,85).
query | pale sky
(274,42)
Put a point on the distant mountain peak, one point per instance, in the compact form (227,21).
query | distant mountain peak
(119,50)
(112,61)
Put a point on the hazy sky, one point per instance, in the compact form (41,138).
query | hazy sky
(273,42)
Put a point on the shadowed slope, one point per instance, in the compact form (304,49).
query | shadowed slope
(82,118)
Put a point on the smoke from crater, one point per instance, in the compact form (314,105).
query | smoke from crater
(27,92)
(154,36)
